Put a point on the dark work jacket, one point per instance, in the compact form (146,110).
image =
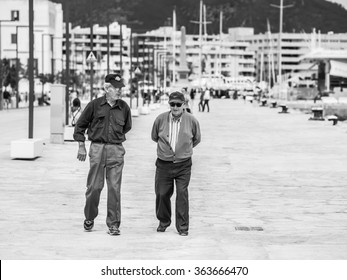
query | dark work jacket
(105,124)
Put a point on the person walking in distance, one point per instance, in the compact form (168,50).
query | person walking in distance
(108,119)
(207,97)
(187,100)
(201,102)
(176,133)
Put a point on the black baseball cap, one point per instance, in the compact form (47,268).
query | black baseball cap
(115,80)
(176,96)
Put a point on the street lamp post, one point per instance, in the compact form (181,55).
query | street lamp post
(137,73)
(31,68)
(120,50)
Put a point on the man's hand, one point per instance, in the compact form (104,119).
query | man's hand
(82,152)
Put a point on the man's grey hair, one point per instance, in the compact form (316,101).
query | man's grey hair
(106,86)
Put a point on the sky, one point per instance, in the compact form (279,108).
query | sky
(342,2)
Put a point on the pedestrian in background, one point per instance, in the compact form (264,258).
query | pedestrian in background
(176,133)
(108,119)
(201,102)
(206,98)
(76,111)
(7,98)
(187,100)
(192,97)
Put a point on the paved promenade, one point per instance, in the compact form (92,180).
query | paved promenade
(264,186)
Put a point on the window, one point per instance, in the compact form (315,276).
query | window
(15,15)
(13,38)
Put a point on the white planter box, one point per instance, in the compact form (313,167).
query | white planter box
(144,110)
(68,133)
(134,112)
(27,148)
(152,107)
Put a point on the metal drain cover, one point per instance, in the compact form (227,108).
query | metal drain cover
(249,228)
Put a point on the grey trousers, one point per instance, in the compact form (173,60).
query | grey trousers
(105,159)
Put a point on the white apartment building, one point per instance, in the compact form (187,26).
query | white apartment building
(293,47)
(80,48)
(216,55)
(48,34)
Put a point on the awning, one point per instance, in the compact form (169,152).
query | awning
(323,54)
(338,68)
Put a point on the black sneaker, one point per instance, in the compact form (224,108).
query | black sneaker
(113,230)
(183,233)
(88,225)
(161,228)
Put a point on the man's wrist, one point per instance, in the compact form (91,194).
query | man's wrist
(80,144)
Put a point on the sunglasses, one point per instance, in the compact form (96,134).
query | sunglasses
(173,104)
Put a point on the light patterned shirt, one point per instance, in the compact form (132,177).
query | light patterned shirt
(175,125)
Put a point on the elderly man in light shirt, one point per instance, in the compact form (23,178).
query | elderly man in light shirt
(176,133)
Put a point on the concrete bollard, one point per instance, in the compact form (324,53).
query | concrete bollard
(273,104)
(333,118)
(284,109)
(263,102)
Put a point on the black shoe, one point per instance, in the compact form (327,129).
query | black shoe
(88,225)
(183,233)
(113,230)
(161,228)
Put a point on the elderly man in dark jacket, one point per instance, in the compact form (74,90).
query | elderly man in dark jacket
(108,119)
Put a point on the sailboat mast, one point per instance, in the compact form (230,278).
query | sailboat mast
(200,43)
(174,47)
(220,42)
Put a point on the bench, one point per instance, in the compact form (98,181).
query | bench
(317,114)
(284,109)
(333,118)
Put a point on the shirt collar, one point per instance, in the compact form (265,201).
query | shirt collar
(177,120)
(104,101)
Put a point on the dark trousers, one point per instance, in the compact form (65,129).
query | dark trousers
(201,105)
(105,159)
(206,104)
(168,173)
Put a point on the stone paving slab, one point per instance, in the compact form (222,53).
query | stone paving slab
(255,169)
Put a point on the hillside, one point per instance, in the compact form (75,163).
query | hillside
(143,15)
